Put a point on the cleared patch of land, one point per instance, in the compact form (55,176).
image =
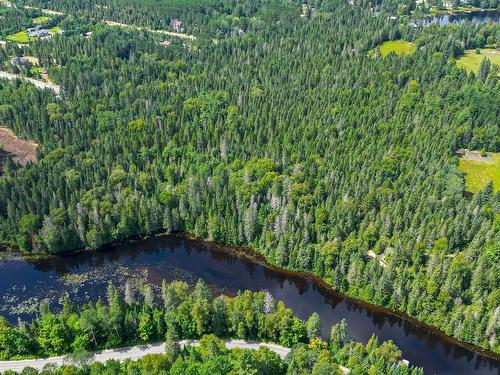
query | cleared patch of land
(46,11)
(471,61)
(399,47)
(380,258)
(54,30)
(20,37)
(32,59)
(23,37)
(480,170)
(22,151)
(40,19)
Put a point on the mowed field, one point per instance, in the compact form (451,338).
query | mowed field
(471,61)
(40,19)
(22,151)
(479,171)
(20,37)
(399,47)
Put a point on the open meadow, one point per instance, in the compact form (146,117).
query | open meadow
(479,171)
(471,61)
(399,47)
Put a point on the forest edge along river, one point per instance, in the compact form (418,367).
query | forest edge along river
(84,276)
(476,17)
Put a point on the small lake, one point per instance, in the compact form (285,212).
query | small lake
(84,276)
(476,17)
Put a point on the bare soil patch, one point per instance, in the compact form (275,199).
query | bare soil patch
(32,59)
(474,155)
(22,151)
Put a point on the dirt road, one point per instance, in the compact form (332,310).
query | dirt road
(133,352)
(40,84)
(178,35)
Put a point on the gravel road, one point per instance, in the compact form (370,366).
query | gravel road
(40,84)
(133,352)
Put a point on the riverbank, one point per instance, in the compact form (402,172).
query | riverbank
(257,258)
(453,16)
(84,276)
(460,10)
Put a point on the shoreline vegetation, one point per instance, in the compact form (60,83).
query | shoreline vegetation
(451,12)
(180,312)
(255,256)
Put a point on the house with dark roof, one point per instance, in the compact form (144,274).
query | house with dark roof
(33,29)
(39,33)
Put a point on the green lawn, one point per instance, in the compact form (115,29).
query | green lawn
(37,70)
(471,61)
(20,37)
(399,47)
(40,19)
(478,173)
(54,30)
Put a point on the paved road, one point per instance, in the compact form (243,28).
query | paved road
(40,84)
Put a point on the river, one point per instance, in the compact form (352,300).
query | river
(474,17)
(84,277)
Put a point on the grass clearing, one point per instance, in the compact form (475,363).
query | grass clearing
(480,171)
(36,70)
(20,37)
(41,19)
(399,47)
(471,61)
(54,30)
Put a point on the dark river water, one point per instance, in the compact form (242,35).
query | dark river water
(84,276)
(474,17)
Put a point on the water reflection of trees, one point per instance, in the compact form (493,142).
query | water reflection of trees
(227,273)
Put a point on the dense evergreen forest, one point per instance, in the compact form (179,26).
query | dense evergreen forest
(290,138)
(185,312)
